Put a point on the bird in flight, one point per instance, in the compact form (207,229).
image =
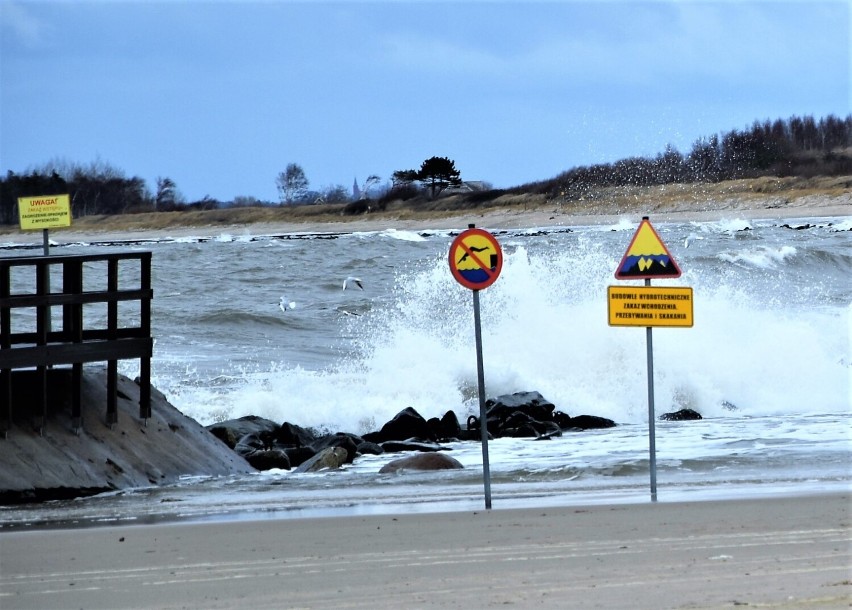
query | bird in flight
(284,304)
(353,280)
(472,249)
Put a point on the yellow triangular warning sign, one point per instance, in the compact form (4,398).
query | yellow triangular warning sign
(647,257)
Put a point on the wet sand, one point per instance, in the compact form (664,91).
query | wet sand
(783,552)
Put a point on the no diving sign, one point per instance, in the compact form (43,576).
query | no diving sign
(475,259)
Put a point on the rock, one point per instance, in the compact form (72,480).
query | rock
(422,461)
(299,455)
(520,424)
(234,429)
(368,448)
(267,459)
(62,464)
(412,444)
(563,420)
(292,435)
(682,415)
(447,427)
(250,443)
(407,423)
(589,422)
(347,441)
(530,403)
(331,458)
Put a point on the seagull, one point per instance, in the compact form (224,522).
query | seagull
(284,305)
(354,280)
(691,237)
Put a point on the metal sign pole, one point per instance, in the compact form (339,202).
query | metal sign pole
(475,261)
(652,443)
(45,240)
(483,419)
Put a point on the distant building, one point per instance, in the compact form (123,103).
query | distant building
(468,186)
(356,190)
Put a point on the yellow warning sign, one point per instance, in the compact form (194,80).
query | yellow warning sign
(649,306)
(44,212)
(647,257)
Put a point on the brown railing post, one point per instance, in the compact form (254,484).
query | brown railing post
(112,334)
(145,323)
(42,329)
(72,330)
(5,343)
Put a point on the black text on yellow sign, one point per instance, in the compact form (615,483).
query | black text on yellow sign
(649,306)
(44,212)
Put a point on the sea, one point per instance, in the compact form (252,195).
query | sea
(253,323)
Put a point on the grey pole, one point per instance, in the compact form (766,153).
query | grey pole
(652,443)
(483,420)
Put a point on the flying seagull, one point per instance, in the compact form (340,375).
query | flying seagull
(284,304)
(692,237)
(353,280)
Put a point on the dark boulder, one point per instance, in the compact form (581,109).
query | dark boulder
(267,459)
(530,403)
(406,424)
(251,442)
(589,422)
(412,444)
(520,425)
(299,455)
(231,431)
(682,415)
(563,420)
(331,458)
(422,461)
(368,448)
(294,436)
(446,427)
(256,450)
(347,441)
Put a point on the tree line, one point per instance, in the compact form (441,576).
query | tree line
(798,146)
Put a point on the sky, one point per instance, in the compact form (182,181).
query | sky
(220,96)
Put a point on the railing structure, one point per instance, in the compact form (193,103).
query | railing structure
(30,337)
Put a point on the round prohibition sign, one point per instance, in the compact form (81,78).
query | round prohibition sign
(475,259)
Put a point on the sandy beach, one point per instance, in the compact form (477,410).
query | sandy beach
(133,228)
(776,552)
(783,552)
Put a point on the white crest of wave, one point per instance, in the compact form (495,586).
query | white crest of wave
(403,235)
(763,257)
(544,328)
(843,225)
(623,224)
(732,225)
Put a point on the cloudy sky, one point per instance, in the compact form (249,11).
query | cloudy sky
(220,96)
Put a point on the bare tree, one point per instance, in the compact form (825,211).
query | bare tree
(292,184)
(371,181)
(167,194)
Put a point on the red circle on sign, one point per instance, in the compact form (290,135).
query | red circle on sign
(476,259)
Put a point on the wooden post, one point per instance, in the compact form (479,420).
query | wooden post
(112,334)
